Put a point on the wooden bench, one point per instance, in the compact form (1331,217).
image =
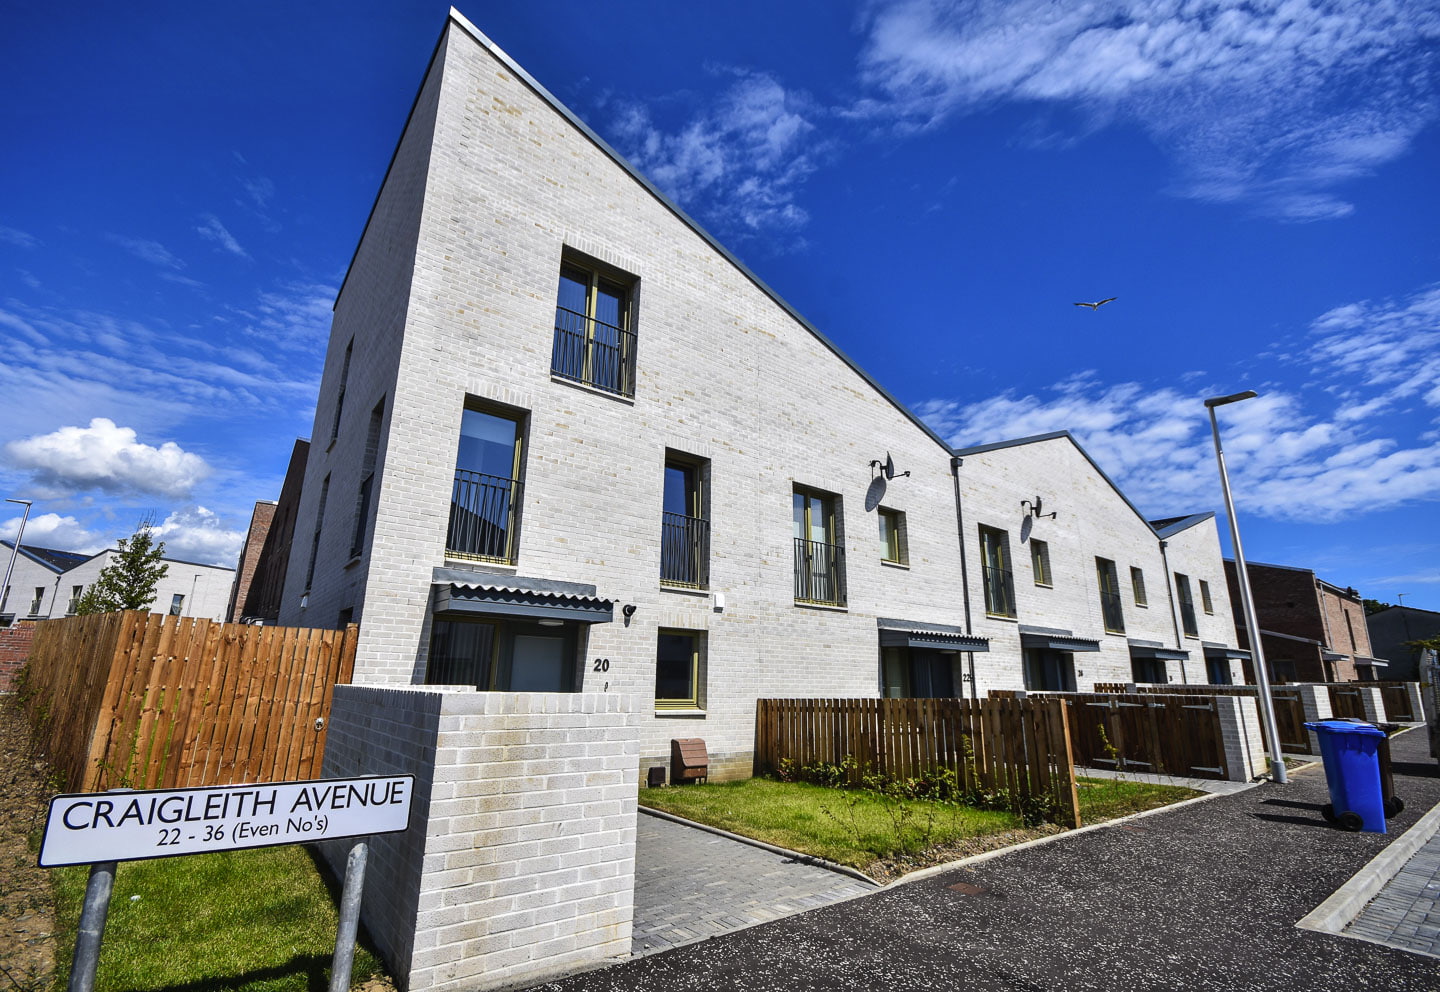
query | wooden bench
(688,760)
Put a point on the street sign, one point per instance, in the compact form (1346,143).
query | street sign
(89,828)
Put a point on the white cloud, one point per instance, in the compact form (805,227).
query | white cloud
(199,535)
(215,231)
(50,530)
(746,156)
(107,457)
(149,251)
(1274,103)
(21,239)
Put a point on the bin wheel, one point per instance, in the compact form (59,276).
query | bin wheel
(1328,812)
(1394,805)
(1350,820)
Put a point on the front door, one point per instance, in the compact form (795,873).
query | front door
(1049,671)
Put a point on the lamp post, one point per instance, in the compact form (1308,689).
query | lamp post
(1247,604)
(15,550)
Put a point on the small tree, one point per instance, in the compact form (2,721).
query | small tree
(128,582)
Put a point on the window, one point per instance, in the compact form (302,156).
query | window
(1137,583)
(594,331)
(1151,670)
(819,558)
(315,541)
(35,603)
(1109,582)
(1040,562)
(1217,670)
(914,673)
(364,495)
(999,583)
(684,527)
(177,604)
(340,393)
(1348,624)
(1187,606)
(485,500)
(1205,600)
(75,593)
(892,537)
(677,670)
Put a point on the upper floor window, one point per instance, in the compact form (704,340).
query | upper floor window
(594,331)
(37,600)
(1187,605)
(1205,600)
(75,593)
(999,582)
(1137,583)
(892,537)
(684,527)
(340,393)
(485,499)
(1040,562)
(819,557)
(177,604)
(1109,582)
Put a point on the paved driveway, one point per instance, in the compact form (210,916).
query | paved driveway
(1201,897)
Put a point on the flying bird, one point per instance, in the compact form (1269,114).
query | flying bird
(1097,306)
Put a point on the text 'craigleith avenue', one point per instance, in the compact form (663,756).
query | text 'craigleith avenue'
(129,826)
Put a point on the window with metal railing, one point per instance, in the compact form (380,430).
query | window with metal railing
(594,331)
(1110,609)
(485,497)
(998,581)
(819,555)
(684,527)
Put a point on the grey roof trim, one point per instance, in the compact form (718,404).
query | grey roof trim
(1157,651)
(1183,523)
(889,623)
(483,578)
(1058,642)
(1056,435)
(32,552)
(501,600)
(1026,628)
(1221,651)
(463,22)
(1289,637)
(1417,609)
(933,639)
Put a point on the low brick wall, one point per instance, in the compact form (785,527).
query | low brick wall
(14,649)
(519,863)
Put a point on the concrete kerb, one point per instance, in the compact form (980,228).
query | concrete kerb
(1335,914)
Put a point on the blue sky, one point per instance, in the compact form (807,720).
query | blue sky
(932,184)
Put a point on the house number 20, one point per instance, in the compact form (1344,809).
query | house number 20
(602,664)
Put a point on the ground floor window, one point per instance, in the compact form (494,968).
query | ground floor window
(1151,670)
(1049,671)
(678,669)
(1217,671)
(503,655)
(915,673)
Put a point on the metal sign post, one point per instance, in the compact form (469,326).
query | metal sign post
(103,828)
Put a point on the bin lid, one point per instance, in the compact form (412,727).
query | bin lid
(1345,727)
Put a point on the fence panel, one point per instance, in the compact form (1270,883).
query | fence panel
(1346,702)
(1018,745)
(1161,732)
(149,701)
(1396,695)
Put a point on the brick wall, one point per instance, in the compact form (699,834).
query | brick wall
(14,649)
(520,859)
(260,519)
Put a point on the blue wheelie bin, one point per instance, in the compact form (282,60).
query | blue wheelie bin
(1351,752)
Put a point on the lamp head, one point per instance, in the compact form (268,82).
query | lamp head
(1215,401)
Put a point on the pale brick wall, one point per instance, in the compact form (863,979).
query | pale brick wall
(520,859)
(1245,755)
(1195,552)
(1316,701)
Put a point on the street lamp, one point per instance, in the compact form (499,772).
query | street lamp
(15,550)
(1257,653)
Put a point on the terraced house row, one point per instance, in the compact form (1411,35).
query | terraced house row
(566,442)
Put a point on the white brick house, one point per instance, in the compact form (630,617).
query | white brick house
(566,442)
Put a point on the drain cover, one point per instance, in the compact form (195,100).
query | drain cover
(968,889)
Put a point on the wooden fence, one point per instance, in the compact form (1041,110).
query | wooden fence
(1346,700)
(1289,708)
(1398,708)
(156,702)
(1020,746)
(1165,733)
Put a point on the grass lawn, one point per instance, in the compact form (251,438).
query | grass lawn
(260,920)
(860,830)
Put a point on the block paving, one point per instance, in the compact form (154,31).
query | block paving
(1406,913)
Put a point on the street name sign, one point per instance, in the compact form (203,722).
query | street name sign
(123,825)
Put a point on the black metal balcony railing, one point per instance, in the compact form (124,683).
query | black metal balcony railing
(1187,618)
(593,352)
(483,511)
(684,551)
(1110,610)
(999,592)
(819,573)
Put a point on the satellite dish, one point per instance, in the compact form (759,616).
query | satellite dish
(889,466)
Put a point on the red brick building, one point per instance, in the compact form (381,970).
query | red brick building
(1310,629)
